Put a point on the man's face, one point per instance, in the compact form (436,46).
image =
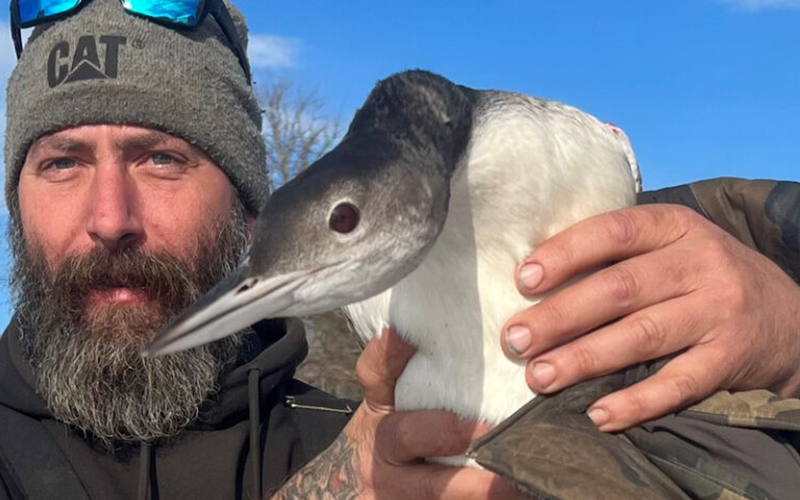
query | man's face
(118,229)
(119,187)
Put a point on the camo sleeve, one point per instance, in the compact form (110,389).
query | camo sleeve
(731,446)
(762,214)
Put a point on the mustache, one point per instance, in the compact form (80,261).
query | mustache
(161,276)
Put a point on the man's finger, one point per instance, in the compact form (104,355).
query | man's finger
(429,482)
(379,367)
(599,240)
(681,382)
(473,484)
(644,335)
(407,437)
(625,287)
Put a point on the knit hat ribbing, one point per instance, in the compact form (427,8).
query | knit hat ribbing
(105,66)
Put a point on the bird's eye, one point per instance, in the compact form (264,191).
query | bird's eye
(344,218)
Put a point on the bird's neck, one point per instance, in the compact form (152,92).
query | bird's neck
(459,363)
(452,308)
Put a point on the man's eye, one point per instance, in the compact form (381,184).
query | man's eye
(61,163)
(162,159)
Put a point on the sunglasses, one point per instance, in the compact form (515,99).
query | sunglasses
(176,14)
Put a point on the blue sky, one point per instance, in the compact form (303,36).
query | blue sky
(703,88)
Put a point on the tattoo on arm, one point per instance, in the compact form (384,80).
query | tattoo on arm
(332,475)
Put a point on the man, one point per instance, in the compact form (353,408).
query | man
(134,162)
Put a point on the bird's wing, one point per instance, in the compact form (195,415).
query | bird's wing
(551,449)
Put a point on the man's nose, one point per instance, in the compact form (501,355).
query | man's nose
(114,221)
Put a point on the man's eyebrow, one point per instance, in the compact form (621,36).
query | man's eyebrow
(63,145)
(143,141)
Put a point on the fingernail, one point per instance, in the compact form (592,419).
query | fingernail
(530,275)
(598,415)
(544,374)
(518,339)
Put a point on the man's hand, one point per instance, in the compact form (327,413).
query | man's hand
(680,283)
(380,454)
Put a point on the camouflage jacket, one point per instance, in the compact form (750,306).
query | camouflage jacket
(732,446)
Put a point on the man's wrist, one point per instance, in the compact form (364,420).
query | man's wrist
(331,475)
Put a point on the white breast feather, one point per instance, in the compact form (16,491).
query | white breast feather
(531,169)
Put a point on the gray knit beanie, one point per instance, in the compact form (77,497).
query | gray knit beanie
(106,66)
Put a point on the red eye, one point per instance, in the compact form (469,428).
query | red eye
(344,218)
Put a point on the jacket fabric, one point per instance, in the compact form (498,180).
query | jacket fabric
(260,407)
(762,214)
(731,446)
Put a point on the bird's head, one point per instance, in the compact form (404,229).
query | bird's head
(353,224)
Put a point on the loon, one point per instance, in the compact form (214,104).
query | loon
(418,219)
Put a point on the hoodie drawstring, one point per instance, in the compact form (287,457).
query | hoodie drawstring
(254,405)
(145,462)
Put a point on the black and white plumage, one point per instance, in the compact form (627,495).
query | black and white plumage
(418,219)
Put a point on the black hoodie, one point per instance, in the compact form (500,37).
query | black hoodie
(259,402)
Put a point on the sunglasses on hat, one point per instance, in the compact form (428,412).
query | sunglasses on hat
(177,14)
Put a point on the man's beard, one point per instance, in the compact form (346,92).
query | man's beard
(86,356)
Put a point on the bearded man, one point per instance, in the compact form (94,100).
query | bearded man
(137,164)
(134,163)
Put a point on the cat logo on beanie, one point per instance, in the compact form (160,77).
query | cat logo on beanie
(68,64)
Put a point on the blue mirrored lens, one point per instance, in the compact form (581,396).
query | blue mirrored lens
(31,10)
(184,12)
